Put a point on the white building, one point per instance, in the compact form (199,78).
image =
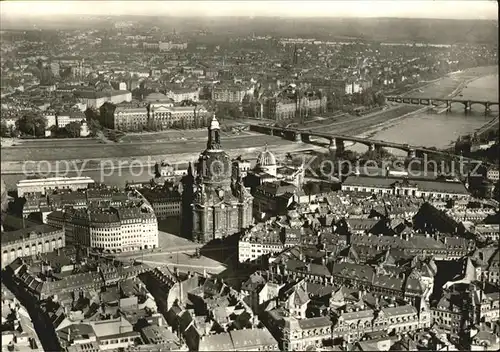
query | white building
(97,99)
(488,231)
(84,130)
(66,118)
(257,242)
(493,175)
(412,188)
(51,120)
(181,94)
(113,230)
(43,185)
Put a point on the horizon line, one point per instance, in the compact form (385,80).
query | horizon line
(256,17)
(414,9)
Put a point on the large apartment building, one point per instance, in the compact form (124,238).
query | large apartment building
(113,230)
(130,118)
(229,93)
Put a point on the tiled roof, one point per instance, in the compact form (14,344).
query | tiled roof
(219,342)
(313,323)
(399,311)
(36,231)
(252,338)
(362,314)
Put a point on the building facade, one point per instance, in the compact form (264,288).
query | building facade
(117,229)
(221,206)
(229,93)
(130,118)
(65,119)
(43,185)
(165,202)
(97,99)
(354,324)
(257,242)
(31,241)
(404,187)
(165,116)
(181,94)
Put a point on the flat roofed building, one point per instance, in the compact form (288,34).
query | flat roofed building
(406,187)
(97,99)
(42,185)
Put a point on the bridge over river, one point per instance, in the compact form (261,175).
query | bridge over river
(442,101)
(336,141)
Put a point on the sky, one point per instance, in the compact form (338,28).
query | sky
(465,9)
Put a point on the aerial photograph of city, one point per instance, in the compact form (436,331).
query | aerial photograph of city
(250,175)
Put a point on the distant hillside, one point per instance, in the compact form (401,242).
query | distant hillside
(370,29)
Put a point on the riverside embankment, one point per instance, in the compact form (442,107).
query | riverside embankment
(424,127)
(403,124)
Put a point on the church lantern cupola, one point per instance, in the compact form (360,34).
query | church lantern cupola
(214,135)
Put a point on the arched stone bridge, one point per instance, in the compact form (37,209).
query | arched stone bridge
(336,142)
(438,102)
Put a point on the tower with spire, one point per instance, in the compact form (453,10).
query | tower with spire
(219,205)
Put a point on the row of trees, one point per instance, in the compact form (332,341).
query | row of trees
(71,130)
(31,124)
(367,98)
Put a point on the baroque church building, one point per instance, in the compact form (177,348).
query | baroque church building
(216,204)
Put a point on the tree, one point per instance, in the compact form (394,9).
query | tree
(182,124)
(106,113)
(94,126)
(54,130)
(367,97)
(91,114)
(73,129)
(4,130)
(32,124)
(380,99)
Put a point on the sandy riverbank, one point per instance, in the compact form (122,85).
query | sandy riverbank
(456,92)
(107,164)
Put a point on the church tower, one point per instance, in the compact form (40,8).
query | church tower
(217,209)
(188,189)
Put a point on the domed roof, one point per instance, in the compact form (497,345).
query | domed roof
(266,158)
(215,166)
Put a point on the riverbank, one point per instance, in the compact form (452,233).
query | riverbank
(86,156)
(463,84)
(77,166)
